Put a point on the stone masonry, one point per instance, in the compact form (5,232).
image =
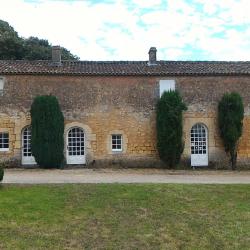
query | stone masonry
(103,105)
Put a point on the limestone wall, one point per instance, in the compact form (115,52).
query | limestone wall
(125,105)
(100,105)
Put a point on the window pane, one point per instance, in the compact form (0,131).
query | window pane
(116,142)
(4,140)
(198,139)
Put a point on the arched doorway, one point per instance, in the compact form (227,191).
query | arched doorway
(27,157)
(75,150)
(199,145)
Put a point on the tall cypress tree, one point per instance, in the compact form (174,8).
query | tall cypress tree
(169,127)
(230,118)
(47,123)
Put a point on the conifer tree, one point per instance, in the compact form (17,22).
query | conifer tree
(47,125)
(230,119)
(169,127)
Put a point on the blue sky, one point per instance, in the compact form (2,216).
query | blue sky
(126,29)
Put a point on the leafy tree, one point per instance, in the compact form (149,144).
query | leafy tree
(169,127)
(13,47)
(47,125)
(35,48)
(230,118)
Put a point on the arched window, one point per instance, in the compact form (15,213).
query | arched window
(199,145)
(75,152)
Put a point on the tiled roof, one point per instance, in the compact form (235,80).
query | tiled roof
(125,68)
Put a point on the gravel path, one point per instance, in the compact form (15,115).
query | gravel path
(39,176)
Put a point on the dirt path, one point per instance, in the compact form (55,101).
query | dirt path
(39,176)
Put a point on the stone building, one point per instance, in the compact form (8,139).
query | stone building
(109,107)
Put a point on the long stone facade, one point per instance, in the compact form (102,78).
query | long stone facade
(124,105)
(101,106)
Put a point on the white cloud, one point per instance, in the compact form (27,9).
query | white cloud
(147,3)
(124,30)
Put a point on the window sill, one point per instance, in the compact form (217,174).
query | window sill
(4,149)
(116,151)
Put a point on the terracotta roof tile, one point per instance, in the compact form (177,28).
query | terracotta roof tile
(125,68)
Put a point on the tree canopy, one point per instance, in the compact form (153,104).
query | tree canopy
(13,47)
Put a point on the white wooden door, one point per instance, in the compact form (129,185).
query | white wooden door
(75,153)
(27,157)
(199,147)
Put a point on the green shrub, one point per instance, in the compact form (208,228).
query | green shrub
(169,127)
(47,125)
(1,173)
(230,119)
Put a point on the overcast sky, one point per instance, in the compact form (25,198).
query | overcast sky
(126,29)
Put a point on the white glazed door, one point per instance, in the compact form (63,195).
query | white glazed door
(199,148)
(27,157)
(75,146)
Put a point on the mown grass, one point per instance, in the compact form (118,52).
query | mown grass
(129,216)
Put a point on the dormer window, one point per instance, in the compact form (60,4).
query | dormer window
(1,85)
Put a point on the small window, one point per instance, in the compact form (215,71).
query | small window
(1,85)
(116,142)
(4,141)
(166,85)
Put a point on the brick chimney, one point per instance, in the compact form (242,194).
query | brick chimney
(56,56)
(152,56)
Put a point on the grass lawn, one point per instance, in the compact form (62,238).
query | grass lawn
(129,216)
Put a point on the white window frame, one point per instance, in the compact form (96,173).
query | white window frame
(116,139)
(2,149)
(1,85)
(166,85)
(199,145)
(75,154)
